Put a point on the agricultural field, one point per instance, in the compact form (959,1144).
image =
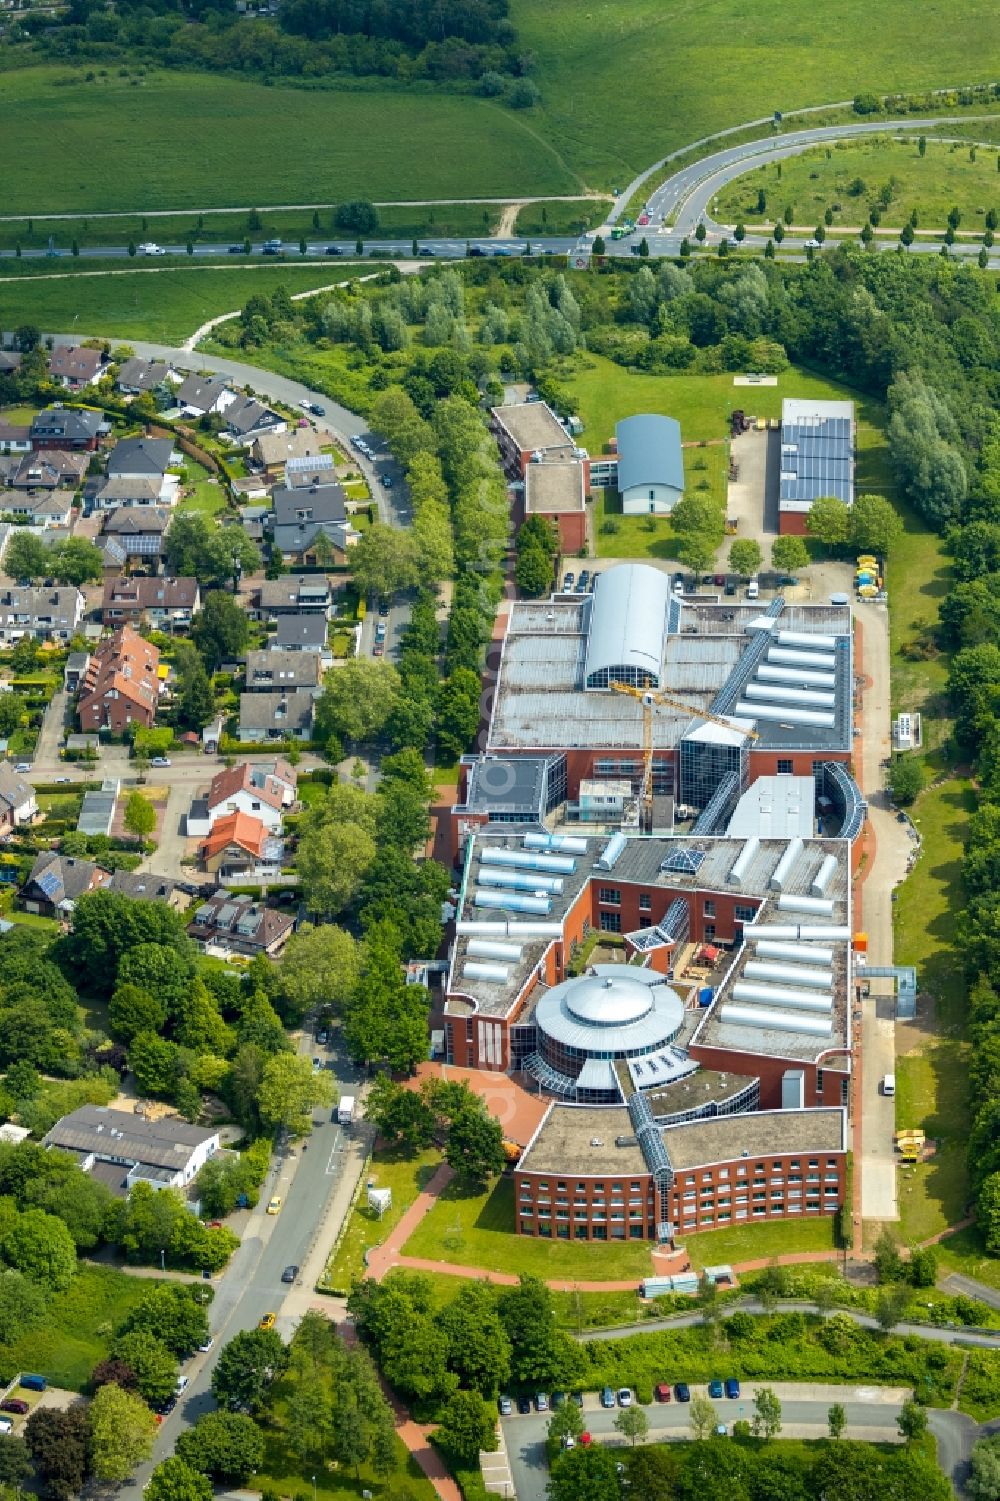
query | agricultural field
(847,178)
(163,305)
(183,140)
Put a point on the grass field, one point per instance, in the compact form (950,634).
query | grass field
(78,1328)
(964,1252)
(196,140)
(846,178)
(406,1176)
(208,496)
(919,576)
(706,471)
(478,1230)
(753,1242)
(164,306)
(561,218)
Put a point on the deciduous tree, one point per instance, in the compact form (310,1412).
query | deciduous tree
(173,1480)
(122,1430)
(468,1425)
(228,1446)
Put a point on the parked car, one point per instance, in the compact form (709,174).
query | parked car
(23,766)
(387,481)
(682,1391)
(568,1441)
(524,1405)
(715,1390)
(203,1349)
(662,1392)
(160,761)
(318,411)
(378,650)
(183,1382)
(732,1388)
(678,583)
(569,580)
(558,1400)
(290,1273)
(321,1037)
(275,1205)
(624,1396)
(506,1406)
(14,1404)
(542,1402)
(720,1430)
(607,1397)
(576,1398)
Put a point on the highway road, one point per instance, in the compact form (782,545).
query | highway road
(871,1415)
(291,254)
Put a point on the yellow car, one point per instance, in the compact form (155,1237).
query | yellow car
(275,1205)
(267,1322)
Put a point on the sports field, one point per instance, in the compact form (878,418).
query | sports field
(848,178)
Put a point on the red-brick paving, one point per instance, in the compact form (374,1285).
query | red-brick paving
(518,1112)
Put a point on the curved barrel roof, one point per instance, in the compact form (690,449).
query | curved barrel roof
(627,624)
(649,451)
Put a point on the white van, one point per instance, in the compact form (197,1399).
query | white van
(889,1084)
(753,589)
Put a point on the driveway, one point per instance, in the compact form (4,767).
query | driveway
(752,498)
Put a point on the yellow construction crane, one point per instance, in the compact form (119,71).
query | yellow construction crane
(655,698)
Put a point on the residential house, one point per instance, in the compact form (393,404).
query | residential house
(247,418)
(10,360)
(199,395)
(226,925)
(143,885)
(316,469)
(137,375)
(165,1153)
(44,508)
(254,519)
(280,668)
(150,457)
(128,491)
(167,603)
(15,437)
(302,517)
(56,883)
(97,811)
(273,450)
(44,613)
(302,633)
(52,470)
(294,592)
(18,804)
(122,684)
(138,533)
(76,428)
(242,848)
(74,367)
(276,716)
(261,792)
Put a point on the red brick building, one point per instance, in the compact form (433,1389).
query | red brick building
(121,686)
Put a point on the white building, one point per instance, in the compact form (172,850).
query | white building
(650,464)
(165,1153)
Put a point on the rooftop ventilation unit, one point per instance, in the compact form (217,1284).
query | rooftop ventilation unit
(789,974)
(787,714)
(741,864)
(559,865)
(611,853)
(566,844)
(803,638)
(501,928)
(791,953)
(494,974)
(482,948)
(789,1000)
(780,693)
(500,901)
(783,868)
(821,906)
(789,658)
(768,673)
(775,1021)
(803,933)
(824,876)
(521,880)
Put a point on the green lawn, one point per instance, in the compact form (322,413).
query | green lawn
(164,304)
(752,1242)
(202,129)
(561,218)
(478,1230)
(847,176)
(619,536)
(208,496)
(964,1252)
(390,1168)
(78,1328)
(919,575)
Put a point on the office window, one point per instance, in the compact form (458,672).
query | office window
(609,896)
(744,912)
(709,931)
(709,907)
(611,922)
(819,1081)
(645,902)
(784,766)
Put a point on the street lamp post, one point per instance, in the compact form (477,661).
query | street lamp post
(163,1264)
(314,1487)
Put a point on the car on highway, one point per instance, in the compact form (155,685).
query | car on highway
(275,1205)
(732,1388)
(290,1273)
(506,1406)
(240,249)
(812,243)
(715,1390)
(477,250)
(149,247)
(334,250)
(624,1396)
(426,250)
(682,1391)
(268,1321)
(271,247)
(160,761)
(607,1397)
(206,1345)
(503,250)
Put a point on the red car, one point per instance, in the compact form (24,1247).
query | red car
(14,1404)
(643,219)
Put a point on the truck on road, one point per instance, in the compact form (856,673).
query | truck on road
(345,1110)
